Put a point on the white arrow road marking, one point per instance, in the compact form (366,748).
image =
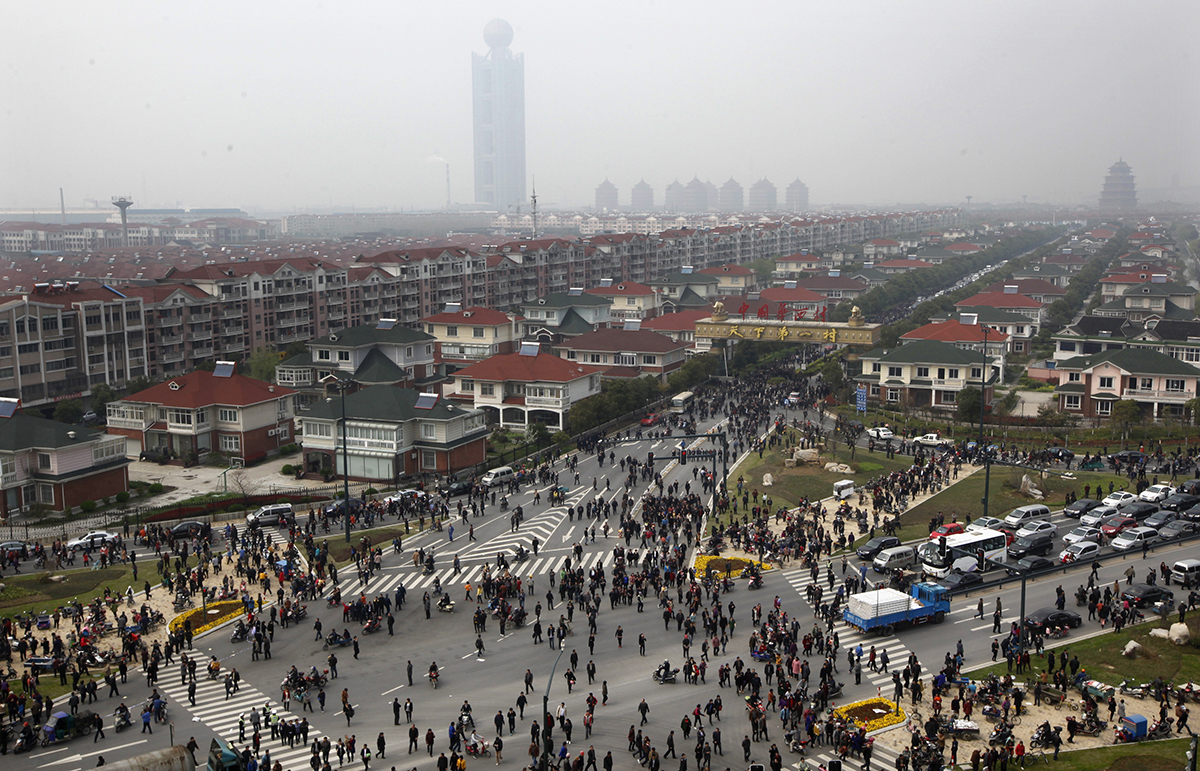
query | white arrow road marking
(75,758)
(567,535)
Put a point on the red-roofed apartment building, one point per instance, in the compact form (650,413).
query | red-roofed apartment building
(515,389)
(1007,300)
(471,334)
(681,327)
(202,412)
(630,300)
(626,353)
(964,331)
(732,278)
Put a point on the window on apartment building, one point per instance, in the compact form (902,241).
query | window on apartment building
(44,461)
(180,417)
(953,373)
(343,356)
(429,350)
(60,365)
(428,460)
(226,415)
(895,371)
(451,331)
(28,347)
(487,389)
(30,369)
(876,367)
(922,371)
(46,494)
(4,329)
(477,332)
(1020,329)
(976,373)
(322,355)
(91,321)
(49,323)
(893,394)
(21,326)
(318,429)
(255,286)
(1104,407)
(201,417)
(428,431)
(283,432)
(649,359)
(1072,401)
(231,443)
(1175,385)
(467,386)
(1142,384)
(1074,377)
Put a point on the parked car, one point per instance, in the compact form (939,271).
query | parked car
(89,418)
(1179,501)
(91,540)
(1156,493)
(1037,526)
(1180,528)
(1139,510)
(155,454)
(1034,544)
(880,432)
(1097,515)
(1118,497)
(1145,595)
(1051,618)
(192,528)
(1192,514)
(1080,551)
(1080,507)
(1082,533)
(950,528)
(1135,538)
(872,547)
(1117,524)
(986,523)
(1160,518)
(1029,565)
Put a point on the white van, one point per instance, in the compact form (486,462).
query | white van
(274,514)
(498,476)
(1186,572)
(1135,538)
(1023,514)
(897,557)
(843,489)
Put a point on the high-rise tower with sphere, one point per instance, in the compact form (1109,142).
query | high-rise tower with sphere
(498,79)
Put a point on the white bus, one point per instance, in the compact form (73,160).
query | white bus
(993,543)
(680,402)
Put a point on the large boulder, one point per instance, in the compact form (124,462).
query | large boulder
(839,468)
(1162,634)
(806,456)
(1180,634)
(1132,648)
(768,480)
(1029,490)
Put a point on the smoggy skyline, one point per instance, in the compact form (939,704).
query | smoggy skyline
(290,106)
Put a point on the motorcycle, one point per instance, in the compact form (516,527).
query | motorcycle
(1001,734)
(297,613)
(1160,728)
(240,633)
(445,605)
(665,677)
(756,582)
(122,721)
(183,603)
(1091,727)
(795,743)
(1058,632)
(1137,692)
(372,625)
(25,742)
(517,617)
(433,679)
(1043,736)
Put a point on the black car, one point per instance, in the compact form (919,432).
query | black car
(1180,528)
(1145,595)
(1128,456)
(454,488)
(1038,544)
(1191,487)
(193,528)
(1050,618)
(338,507)
(1160,518)
(1139,510)
(156,454)
(1192,514)
(1030,565)
(1081,507)
(872,547)
(1179,502)
(959,581)
(1060,453)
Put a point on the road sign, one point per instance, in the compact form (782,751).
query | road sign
(861,399)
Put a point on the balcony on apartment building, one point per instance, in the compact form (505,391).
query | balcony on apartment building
(170,339)
(233,329)
(200,335)
(1157,395)
(234,347)
(173,356)
(292,321)
(203,352)
(294,305)
(291,337)
(231,313)
(199,318)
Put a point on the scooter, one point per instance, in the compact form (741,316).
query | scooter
(479,750)
(240,632)
(1001,734)
(668,677)
(755,583)
(371,625)
(445,605)
(795,743)
(1160,728)
(1137,692)
(121,722)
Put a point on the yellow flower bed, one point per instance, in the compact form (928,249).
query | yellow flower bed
(872,714)
(203,620)
(736,564)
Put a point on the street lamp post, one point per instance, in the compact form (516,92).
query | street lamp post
(342,385)
(983,383)
(546,749)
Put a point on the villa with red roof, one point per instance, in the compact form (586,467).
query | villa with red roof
(626,352)
(630,300)
(964,331)
(681,327)
(1038,289)
(733,279)
(465,336)
(894,267)
(516,389)
(202,412)
(1008,299)
(881,247)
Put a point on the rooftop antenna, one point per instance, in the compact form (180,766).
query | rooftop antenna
(62,203)
(123,203)
(533,204)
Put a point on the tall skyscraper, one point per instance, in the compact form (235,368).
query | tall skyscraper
(606,196)
(498,79)
(796,196)
(1120,191)
(763,196)
(731,196)
(641,198)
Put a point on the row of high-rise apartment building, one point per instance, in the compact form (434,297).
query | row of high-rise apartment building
(67,337)
(697,196)
(93,236)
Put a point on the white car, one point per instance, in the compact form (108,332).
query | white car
(1118,497)
(931,440)
(1094,517)
(1037,526)
(985,523)
(880,432)
(1156,493)
(1081,551)
(1135,538)
(1082,533)
(91,540)
(403,495)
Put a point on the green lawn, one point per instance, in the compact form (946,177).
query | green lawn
(382,537)
(1101,656)
(1146,756)
(810,481)
(36,592)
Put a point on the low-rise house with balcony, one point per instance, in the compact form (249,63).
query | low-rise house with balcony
(687,289)
(1156,298)
(834,286)
(626,353)
(681,327)
(530,386)
(1090,385)
(203,412)
(1038,289)
(733,278)
(392,433)
(925,374)
(964,331)
(881,248)
(467,335)
(628,299)
(558,315)
(45,463)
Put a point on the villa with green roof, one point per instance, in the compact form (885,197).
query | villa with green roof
(383,353)
(924,374)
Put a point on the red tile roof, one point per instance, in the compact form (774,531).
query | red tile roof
(954,331)
(998,300)
(622,340)
(904,264)
(476,315)
(1029,286)
(203,389)
(781,294)
(680,321)
(831,282)
(545,367)
(728,270)
(622,288)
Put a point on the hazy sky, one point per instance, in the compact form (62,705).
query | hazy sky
(283,105)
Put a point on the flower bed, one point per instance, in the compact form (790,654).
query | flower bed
(204,619)
(734,565)
(872,714)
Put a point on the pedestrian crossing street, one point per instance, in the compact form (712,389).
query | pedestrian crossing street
(851,638)
(881,758)
(387,581)
(221,716)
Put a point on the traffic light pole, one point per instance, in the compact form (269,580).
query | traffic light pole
(721,453)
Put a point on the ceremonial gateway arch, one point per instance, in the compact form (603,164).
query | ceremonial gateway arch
(854,332)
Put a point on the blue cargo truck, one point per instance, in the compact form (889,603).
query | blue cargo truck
(883,611)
